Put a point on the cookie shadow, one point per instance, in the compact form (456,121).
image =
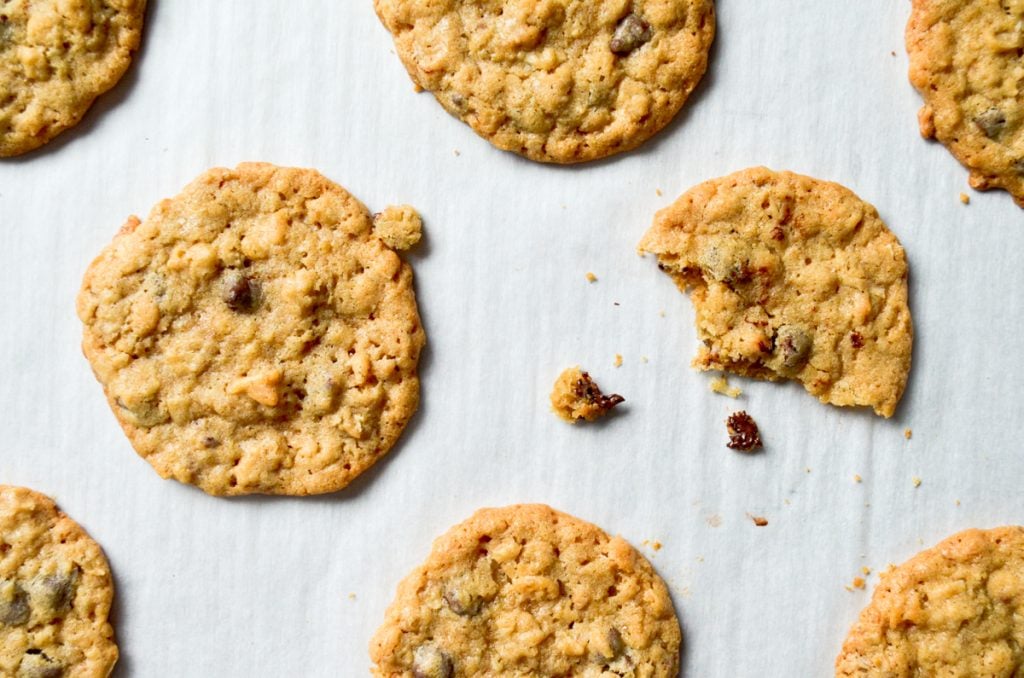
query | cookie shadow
(123,667)
(105,102)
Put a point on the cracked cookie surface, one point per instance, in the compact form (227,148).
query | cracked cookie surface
(55,593)
(954,610)
(529,591)
(791,278)
(255,334)
(56,57)
(965,60)
(555,80)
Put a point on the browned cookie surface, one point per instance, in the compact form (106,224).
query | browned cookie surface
(555,80)
(255,333)
(56,57)
(965,60)
(955,610)
(55,593)
(529,591)
(792,278)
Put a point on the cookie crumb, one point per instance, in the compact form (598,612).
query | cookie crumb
(893,52)
(743,432)
(351,596)
(399,227)
(457,153)
(576,397)
(858,583)
(644,359)
(658,191)
(957,502)
(865,570)
(618,360)
(857,478)
(661,313)
(908,434)
(720,384)
(591,277)
(917,482)
(965,199)
(759,521)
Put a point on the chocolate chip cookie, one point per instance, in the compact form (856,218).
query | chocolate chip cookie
(791,278)
(55,59)
(529,591)
(965,60)
(255,334)
(55,593)
(953,610)
(552,80)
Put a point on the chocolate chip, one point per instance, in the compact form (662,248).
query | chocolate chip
(430,662)
(615,642)
(461,601)
(588,389)
(35,664)
(240,292)
(56,592)
(992,122)
(14,608)
(857,339)
(210,442)
(793,345)
(743,432)
(632,32)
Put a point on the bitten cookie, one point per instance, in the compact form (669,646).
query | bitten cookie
(55,59)
(55,593)
(791,278)
(255,333)
(529,591)
(965,60)
(954,610)
(553,80)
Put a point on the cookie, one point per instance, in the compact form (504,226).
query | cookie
(552,80)
(55,593)
(529,591)
(791,278)
(55,59)
(255,334)
(577,397)
(954,610)
(965,62)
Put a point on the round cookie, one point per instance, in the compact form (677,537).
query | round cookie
(965,61)
(55,593)
(552,80)
(55,58)
(791,278)
(256,334)
(529,591)
(954,610)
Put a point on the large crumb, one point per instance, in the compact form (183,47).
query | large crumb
(576,397)
(720,384)
(400,227)
(591,277)
(743,432)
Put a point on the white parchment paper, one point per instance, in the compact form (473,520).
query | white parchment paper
(295,587)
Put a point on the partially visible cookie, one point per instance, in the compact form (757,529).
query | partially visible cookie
(555,81)
(55,593)
(55,59)
(956,609)
(791,278)
(528,591)
(577,397)
(965,60)
(255,333)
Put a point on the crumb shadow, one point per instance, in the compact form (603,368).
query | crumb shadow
(105,102)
